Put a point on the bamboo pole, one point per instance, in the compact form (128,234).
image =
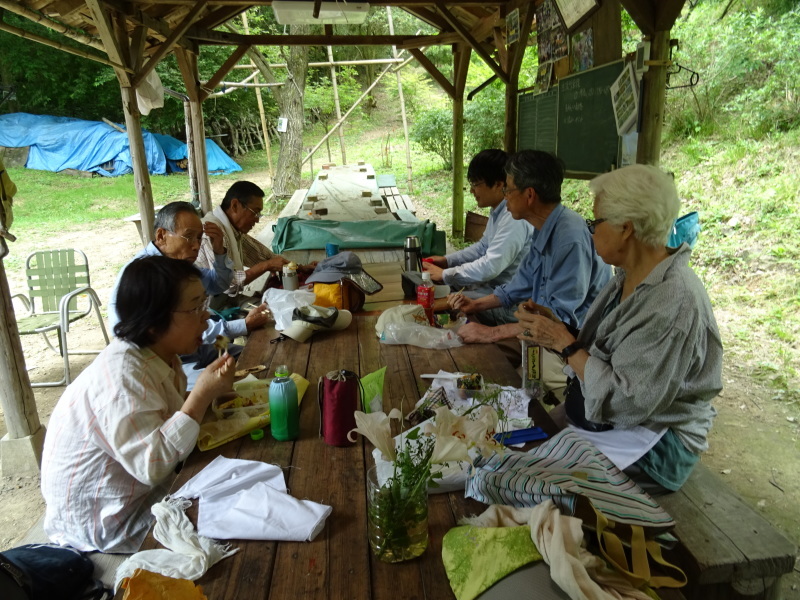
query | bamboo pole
(409,180)
(260,100)
(336,103)
(59,46)
(337,63)
(45,21)
(347,114)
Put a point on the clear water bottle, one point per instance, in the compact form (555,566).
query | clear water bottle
(283,407)
(531,370)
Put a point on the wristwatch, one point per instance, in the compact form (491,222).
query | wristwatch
(570,350)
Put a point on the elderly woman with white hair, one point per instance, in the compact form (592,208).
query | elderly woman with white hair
(648,360)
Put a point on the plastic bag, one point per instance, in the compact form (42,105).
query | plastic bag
(423,336)
(283,302)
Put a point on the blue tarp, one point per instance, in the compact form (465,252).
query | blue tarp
(58,143)
(175,151)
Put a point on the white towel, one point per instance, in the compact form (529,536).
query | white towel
(247,500)
(188,555)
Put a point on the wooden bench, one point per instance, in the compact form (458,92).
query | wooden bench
(397,201)
(727,549)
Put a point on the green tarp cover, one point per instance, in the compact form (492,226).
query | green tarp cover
(293,233)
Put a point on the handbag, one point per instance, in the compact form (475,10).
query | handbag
(343,294)
(339,395)
(685,229)
(47,571)
(582,481)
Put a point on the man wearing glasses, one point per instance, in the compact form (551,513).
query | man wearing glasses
(236,215)
(178,233)
(561,272)
(480,268)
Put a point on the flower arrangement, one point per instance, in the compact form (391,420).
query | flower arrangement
(398,507)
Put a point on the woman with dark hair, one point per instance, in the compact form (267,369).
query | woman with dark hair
(120,429)
(647,361)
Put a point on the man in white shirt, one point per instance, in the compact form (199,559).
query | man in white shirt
(493,260)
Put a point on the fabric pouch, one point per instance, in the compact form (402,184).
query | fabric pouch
(343,294)
(339,396)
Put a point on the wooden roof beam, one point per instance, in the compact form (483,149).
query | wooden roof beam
(170,42)
(437,75)
(208,87)
(392,3)
(111,45)
(667,12)
(428,16)
(205,36)
(470,39)
(430,40)
(138,17)
(643,14)
(220,16)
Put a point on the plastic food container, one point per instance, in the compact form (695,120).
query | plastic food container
(469,385)
(252,400)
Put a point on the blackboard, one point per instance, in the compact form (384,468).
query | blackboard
(539,130)
(587,131)
(574,120)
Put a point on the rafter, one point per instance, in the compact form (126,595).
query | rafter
(209,86)
(642,13)
(437,75)
(170,42)
(470,39)
(105,29)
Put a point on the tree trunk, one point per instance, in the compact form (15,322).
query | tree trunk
(290,104)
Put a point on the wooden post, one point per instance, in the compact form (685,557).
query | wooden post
(21,447)
(460,69)
(653,95)
(409,181)
(141,176)
(187,62)
(336,104)
(514,61)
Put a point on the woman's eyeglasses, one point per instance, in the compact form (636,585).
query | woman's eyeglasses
(593,223)
(198,310)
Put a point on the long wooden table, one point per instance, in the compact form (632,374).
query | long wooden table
(339,564)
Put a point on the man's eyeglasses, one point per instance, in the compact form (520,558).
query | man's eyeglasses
(192,240)
(593,223)
(198,310)
(508,189)
(472,185)
(257,214)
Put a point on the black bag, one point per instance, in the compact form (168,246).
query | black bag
(46,572)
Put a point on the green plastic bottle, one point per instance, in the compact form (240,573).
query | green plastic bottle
(283,407)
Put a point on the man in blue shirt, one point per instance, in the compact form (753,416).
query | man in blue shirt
(494,259)
(178,234)
(561,271)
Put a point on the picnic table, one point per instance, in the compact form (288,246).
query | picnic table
(341,193)
(339,562)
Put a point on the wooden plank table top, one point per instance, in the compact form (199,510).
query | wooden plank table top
(339,562)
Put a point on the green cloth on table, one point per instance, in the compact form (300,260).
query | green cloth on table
(293,233)
(475,558)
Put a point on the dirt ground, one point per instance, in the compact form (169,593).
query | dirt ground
(753,444)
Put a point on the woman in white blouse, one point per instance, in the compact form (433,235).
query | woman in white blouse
(118,432)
